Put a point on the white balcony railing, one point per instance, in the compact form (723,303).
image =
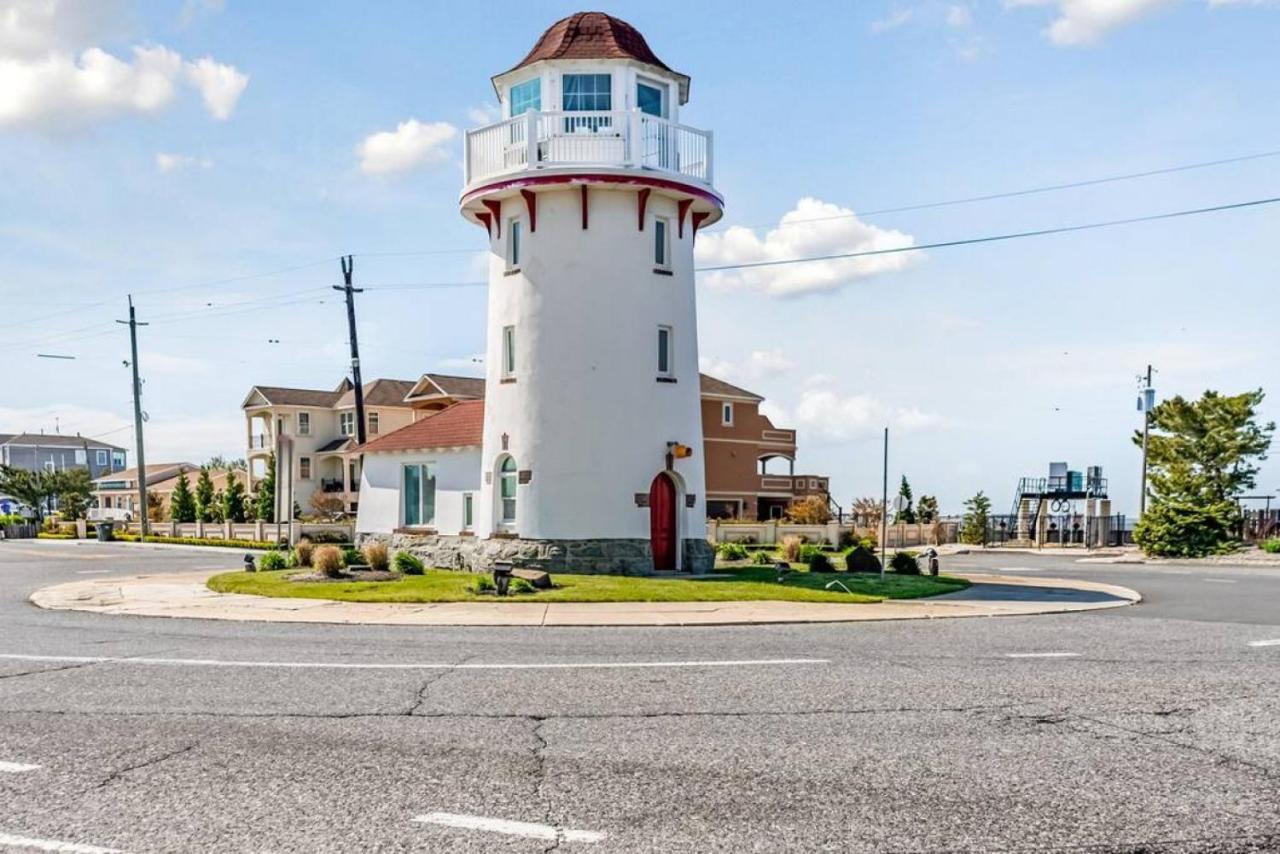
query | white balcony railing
(260,441)
(633,139)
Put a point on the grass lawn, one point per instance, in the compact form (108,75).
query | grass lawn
(739,584)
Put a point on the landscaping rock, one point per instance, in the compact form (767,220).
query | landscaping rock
(536,577)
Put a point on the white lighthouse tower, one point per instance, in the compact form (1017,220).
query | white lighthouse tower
(592,193)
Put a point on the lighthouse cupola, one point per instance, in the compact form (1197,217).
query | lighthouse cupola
(591,193)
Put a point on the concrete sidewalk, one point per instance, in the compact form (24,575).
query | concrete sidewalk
(185,595)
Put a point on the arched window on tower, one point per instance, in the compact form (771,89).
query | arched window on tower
(507,479)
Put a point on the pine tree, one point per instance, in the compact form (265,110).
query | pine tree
(927,509)
(206,505)
(233,499)
(182,503)
(1201,456)
(977,514)
(264,499)
(907,515)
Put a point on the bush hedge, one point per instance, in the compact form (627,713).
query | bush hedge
(408,564)
(196,541)
(904,563)
(861,559)
(731,551)
(1271,546)
(272,561)
(819,562)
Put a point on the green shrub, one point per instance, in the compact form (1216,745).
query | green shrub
(861,559)
(520,585)
(807,552)
(904,563)
(1271,546)
(847,539)
(819,562)
(732,551)
(196,541)
(375,554)
(790,549)
(328,561)
(408,564)
(272,561)
(481,584)
(44,535)
(351,556)
(761,557)
(334,537)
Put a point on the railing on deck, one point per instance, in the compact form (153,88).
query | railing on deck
(627,138)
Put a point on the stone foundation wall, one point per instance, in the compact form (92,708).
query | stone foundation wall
(616,557)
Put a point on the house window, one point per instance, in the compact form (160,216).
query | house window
(102,458)
(304,423)
(726,414)
(304,468)
(507,492)
(82,457)
(419,494)
(664,351)
(515,240)
(526,96)
(117,459)
(280,425)
(586,93)
(50,466)
(508,352)
(651,99)
(347,423)
(468,511)
(373,422)
(662,243)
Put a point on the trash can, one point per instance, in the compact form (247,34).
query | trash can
(106,532)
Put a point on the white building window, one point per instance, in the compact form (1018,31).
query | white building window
(507,480)
(50,466)
(347,423)
(117,459)
(662,243)
(665,367)
(651,98)
(373,422)
(515,243)
(419,494)
(468,511)
(526,96)
(304,423)
(102,458)
(304,468)
(589,93)
(726,414)
(508,352)
(82,457)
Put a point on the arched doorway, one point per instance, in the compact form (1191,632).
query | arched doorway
(662,522)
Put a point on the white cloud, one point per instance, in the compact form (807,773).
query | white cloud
(759,364)
(410,145)
(1083,22)
(192,10)
(828,415)
(814,228)
(220,85)
(959,16)
(167,163)
(172,364)
(168,438)
(471,364)
(892,21)
(51,78)
(769,362)
(485,114)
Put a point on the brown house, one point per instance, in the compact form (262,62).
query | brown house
(750,463)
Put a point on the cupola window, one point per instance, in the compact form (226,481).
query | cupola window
(586,93)
(651,99)
(526,96)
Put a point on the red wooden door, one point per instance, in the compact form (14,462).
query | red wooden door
(662,522)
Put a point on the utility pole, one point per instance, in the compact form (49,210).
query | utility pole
(1146,400)
(348,265)
(884,505)
(137,418)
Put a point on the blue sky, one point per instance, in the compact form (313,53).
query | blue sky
(224,140)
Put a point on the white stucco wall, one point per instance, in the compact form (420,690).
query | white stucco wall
(586,414)
(457,472)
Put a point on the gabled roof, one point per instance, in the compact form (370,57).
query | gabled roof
(156,472)
(595,35)
(713,387)
(447,385)
(334,446)
(53,440)
(457,426)
(377,393)
(282,396)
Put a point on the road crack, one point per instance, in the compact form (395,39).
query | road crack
(155,760)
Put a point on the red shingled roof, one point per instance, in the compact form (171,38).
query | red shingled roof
(595,35)
(460,425)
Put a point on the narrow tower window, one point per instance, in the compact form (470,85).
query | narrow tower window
(507,479)
(508,352)
(726,415)
(515,239)
(661,243)
(664,351)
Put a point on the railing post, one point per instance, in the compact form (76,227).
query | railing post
(634,148)
(466,158)
(531,138)
(710,179)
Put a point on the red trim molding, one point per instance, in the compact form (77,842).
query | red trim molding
(495,208)
(682,208)
(594,178)
(531,202)
(698,217)
(642,202)
(487,220)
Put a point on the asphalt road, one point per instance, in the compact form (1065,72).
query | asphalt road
(1150,728)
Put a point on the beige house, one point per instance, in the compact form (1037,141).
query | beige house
(115,496)
(322,428)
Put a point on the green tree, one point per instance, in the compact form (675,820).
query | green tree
(927,509)
(206,502)
(233,499)
(1201,455)
(73,488)
(907,515)
(32,488)
(182,503)
(220,463)
(977,513)
(264,498)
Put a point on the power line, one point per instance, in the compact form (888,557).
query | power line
(995,237)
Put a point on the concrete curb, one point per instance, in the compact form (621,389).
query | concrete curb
(185,595)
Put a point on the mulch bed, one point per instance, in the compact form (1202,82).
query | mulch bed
(366,575)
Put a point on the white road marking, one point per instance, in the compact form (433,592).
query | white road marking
(1042,655)
(339,665)
(1016,569)
(510,828)
(16,767)
(1218,580)
(9,840)
(91,571)
(1275,642)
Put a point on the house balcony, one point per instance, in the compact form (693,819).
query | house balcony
(261,442)
(337,486)
(608,140)
(793,485)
